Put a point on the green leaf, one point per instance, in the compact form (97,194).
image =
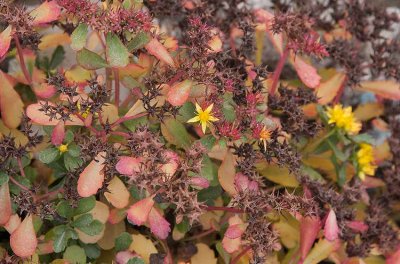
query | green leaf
(117,53)
(92,250)
(209,170)
(228,108)
(49,155)
(90,60)
(136,260)
(338,153)
(94,228)
(208,141)
(62,235)
(69,137)
(64,209)
(3,177)
(210,194)
(75,255)
(78,37)
(74,150)
(363,138)
(138,42)
(72,163)
(183,226)
(83,220)
(57,57)
(85,205)
(175,133)
(123,241)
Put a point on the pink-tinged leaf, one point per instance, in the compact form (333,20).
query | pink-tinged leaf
(5,41)
(116,193)
(13,223)
(241,182)
(38,117)
(172,163)
(123,257)
(384,89)
(358,226)
(200,182)
(5,204)
(235,231)
(128,165)
(231,245)
(92,177)
(226,174)
(331,228)
(158,225)
(306,72)
(11,105)
(394,258)
(179,93)
(138,213)
(253,186)
(215,44)
(267,18)
(44,90)
(155,48)
(58,134)
(45,13)
(309,228)
(23,240)
(327,90)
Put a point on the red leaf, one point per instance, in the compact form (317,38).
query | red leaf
(92,177)
(58,134)
(128,165)
(394,258)
(307,73)
(179,93)
(155,48)
(331,228)
(45,13)
(200,182)
(309,228)
(5,40)
(5,204)
(23,240)
(138,213)
(158,225)
(358,226)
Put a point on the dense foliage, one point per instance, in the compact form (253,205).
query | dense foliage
(199,131)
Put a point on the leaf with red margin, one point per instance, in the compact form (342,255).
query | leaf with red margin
(172,163)
(5,204)
(327,90)
(139,212)
(309,228)
(226,174)
(128,165)
(5,40)
(321,251)
(394,257)
(11,105)
(92,177)
(155,48)
(23,240)
(158,225)
(116,193)
(384,89)
(306,72)
(331,228)
(179,93)
(232,238)
(38,117)
(200,182)
(58,134)
(45,13)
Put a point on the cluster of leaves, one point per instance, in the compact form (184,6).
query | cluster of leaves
(167,132)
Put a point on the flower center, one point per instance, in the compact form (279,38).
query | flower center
(204,116)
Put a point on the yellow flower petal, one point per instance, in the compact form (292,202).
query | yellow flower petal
(209,108)
(194,119)
(204,126)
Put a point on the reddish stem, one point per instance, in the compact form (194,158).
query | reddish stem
(241,254)
(278,71)
(340,92)
(176,77)
(203,234)
(126,118)
(222,208)
(43,196)
(116,82)
(22,61)
(23,187)
(122,134)
(21,168)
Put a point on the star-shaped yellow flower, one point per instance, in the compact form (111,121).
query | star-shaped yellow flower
(205,117)
(265,136)
(63,148)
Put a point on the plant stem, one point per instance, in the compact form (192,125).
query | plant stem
(23,187)
(241,254)
(116,84)
(340,92)
(278,71)
(21,168)
(203,234)
(126,118)
(222,208)
(22,61)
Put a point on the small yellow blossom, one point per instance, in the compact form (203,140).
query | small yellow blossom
(365,160)
(205,117)
(344,119)
(265,136)
(85,113)
(63,148)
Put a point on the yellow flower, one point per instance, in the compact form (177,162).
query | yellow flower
(85,113)
(63,148)
(205,117)
(365,159)
(344,119)
(265,136)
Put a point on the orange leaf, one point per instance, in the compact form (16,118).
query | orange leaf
(92,177)
(384,89)
(38,117)
(5,40)
(226,174)
(368,111)
(13,223)
(54,40)
(138,213)
(11,105)
(117,194)
(5,204)
(155,48)
(45,13)
(23,240)
(327,90)
(179,93)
